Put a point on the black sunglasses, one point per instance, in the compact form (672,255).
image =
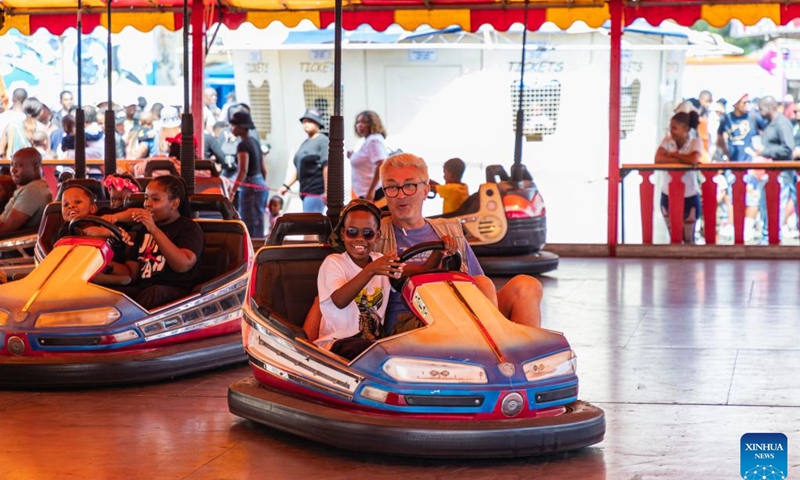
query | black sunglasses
(352,232)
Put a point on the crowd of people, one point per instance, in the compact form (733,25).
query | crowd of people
(144,131)
(743,130)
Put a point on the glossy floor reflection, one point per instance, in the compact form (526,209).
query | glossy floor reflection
(684,356)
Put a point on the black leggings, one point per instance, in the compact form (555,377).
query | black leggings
(350,348)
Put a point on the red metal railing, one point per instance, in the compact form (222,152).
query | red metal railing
(708,192)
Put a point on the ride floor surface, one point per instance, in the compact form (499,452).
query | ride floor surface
(683,356)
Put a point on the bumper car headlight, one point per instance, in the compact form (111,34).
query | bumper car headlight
(3,318)
(560,364)
(430,371)
(92,317)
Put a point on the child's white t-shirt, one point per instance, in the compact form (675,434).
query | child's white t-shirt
(336,270)
(693,144)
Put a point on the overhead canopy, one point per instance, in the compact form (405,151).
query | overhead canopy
(57,15)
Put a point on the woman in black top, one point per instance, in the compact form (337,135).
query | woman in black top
(165,256)
(251,178)
(310,165)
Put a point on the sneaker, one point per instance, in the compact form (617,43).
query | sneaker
(726,230)
(788,232)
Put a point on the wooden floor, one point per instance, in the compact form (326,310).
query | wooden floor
(683,356)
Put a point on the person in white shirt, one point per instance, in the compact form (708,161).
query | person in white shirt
(370,152)
(354,286)
(679,146)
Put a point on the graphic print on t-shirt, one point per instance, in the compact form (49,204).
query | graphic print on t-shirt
(150,259)
(368,320)
(417,259)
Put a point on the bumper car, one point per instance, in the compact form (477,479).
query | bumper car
(469,383)
(506,226)
(66,325)
(17,253)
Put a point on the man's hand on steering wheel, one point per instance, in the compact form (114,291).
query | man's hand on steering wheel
(450,245)
(446,244)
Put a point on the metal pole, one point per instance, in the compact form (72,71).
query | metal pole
(110,161)
(187,122)
(336,145)
(517,173)
(80,121)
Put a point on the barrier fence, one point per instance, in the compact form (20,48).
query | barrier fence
(708,193)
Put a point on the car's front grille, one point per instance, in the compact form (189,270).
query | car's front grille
(444,401)
(72,341)
(560,394)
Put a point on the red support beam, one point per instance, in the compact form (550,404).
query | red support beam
(739,200)
(773,191)
(646,192)
(676,191)
(615,82)
(198,66)
(709,195)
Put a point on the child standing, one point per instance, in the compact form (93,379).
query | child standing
(354,286)
(453,192)
(679,146)
(274,208)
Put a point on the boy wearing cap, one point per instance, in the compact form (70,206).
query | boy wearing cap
(354,285)
(310,164)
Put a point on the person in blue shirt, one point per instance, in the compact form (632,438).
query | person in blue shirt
(405,182)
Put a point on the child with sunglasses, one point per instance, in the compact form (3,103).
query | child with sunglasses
(353,286)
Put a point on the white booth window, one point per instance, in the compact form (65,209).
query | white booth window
(321,99)
(541,102)
(261,108)
(629,105)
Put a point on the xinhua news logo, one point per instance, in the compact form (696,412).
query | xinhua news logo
(764,456)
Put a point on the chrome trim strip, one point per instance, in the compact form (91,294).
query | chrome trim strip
(288,376)
(234,285)
(219,320)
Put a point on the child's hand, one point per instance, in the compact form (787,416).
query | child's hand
(387,266)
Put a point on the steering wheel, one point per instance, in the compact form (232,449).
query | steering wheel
(451,263)
(97,221)
(108,279)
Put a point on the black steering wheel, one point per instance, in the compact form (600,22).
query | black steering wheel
(75,224)
(452,263)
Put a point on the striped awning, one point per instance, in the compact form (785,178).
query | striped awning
(57,15)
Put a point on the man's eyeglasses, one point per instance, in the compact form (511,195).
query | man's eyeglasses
(408,189)
(352,232)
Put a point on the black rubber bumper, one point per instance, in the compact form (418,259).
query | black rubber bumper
(528,264)
(102,369)
(581,426)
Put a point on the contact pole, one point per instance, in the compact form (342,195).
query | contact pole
(336,145)
(516,169)
(110,159)
(80,121)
